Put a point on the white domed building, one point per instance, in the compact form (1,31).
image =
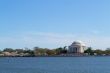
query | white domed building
(77,47)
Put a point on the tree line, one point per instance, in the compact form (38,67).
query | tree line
(36,51)
(90,51)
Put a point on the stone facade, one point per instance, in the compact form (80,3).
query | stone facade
(77,47)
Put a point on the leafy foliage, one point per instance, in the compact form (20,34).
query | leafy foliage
(36,51)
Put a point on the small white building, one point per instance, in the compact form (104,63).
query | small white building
(77,47)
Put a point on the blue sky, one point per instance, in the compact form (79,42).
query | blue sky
(54,23)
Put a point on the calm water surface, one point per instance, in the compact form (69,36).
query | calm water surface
(55,65)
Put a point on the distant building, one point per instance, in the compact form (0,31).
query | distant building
(77,47)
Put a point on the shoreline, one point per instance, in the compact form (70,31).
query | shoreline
(54,56)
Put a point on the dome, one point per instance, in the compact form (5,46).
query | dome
(79,43)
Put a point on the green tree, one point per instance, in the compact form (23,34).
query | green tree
(19,51)
(39,51)
(0,51)
(99,52)
(107,51)
(65,50)
(30,52)
(61,50)
(8,50)
(89,51)
(51,52)
(58,50)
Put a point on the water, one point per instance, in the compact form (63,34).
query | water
(55,65)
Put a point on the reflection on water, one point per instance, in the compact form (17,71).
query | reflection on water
(55,65)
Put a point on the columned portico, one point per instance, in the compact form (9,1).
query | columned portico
(77,47)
